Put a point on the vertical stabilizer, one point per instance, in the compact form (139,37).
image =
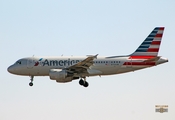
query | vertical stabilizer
(150,46)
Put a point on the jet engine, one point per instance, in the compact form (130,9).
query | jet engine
(60,75)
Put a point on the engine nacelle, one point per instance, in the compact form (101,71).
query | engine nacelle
(59,75)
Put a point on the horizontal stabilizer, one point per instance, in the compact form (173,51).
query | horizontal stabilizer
(153,59)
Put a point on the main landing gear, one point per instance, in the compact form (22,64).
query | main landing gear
(31,83)
(83,82)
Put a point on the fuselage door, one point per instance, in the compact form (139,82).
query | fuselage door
(30,63)
(129,63)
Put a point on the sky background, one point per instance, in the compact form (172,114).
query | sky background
(85,27)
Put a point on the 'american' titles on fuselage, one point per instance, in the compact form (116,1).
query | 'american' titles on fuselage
(70,62)
(59,62)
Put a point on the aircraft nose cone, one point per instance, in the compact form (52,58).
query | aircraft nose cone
(10,69)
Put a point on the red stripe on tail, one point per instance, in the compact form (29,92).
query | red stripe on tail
(141,57)
(161,28)
(155,42)
(153,49)
(158,35)
(140,63)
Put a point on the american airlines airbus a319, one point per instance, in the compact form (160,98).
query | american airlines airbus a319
(65,69)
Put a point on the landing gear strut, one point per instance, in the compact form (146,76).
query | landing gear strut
(31,83)
(83,82)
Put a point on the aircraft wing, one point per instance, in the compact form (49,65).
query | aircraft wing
(82,66)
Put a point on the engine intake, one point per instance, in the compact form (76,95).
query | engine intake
(60,75)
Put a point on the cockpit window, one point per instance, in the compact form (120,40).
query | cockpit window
(18,62)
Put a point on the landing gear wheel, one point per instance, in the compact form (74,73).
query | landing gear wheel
(81,82)
(86,84)
(30,84)
(31,79)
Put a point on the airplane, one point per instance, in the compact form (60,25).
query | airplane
(65,69)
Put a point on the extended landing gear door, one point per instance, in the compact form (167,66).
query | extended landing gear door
(30,63)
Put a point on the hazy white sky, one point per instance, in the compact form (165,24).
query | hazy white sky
(83,27)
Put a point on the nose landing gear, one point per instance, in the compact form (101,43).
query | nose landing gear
(31,83)
(83,82)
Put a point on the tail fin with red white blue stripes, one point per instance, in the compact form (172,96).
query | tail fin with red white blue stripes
(150,46)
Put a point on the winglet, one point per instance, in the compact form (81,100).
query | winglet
(94,56)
